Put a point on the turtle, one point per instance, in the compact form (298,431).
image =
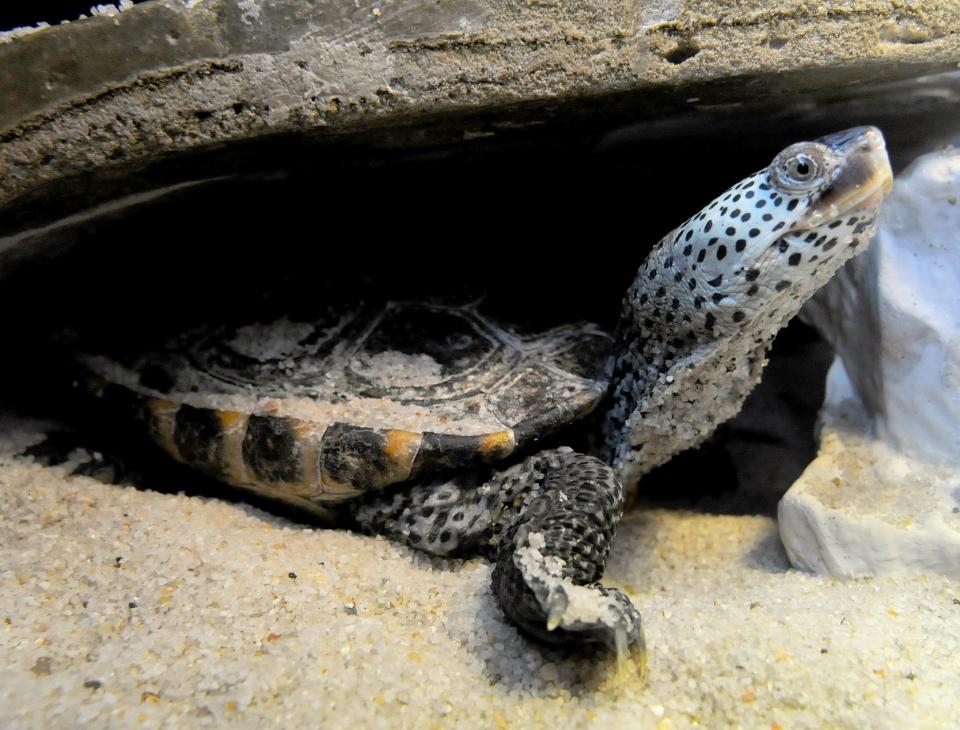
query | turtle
(425,421)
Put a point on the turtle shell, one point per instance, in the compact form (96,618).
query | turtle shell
(358,398)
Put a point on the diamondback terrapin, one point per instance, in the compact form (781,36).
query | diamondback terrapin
(416,420)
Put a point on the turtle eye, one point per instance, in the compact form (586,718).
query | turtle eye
(798,168)
(801,168)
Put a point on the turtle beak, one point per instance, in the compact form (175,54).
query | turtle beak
(863,178)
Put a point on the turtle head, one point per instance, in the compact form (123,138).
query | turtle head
(709,299)
(765,245)
(839,176)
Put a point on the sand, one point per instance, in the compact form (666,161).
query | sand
(123,607)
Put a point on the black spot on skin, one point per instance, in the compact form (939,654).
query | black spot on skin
(669,262)
(697,302)
(792,204)
(778,226)
(668,317)
(702,255)
(810,237)
(830,244)
(717,281)
(754,232)
(706,228)
(752,290)
(852,220)
(767,217)
(740,245)
(749,194)
(835,224)
(712,241)
(689,235)
(678,276)
(675,303)
(709,321)
(783,246)
(777,202)
(752,274)
(731,231)
(760,203)
(736,197)
(652,275)
(692,284)
(661,291)
(721,253)
(745,217)
(717,298)
(738,316)
(794,259)
(687,249)
(643,298)
(764,186)
(781,285)
(735,213)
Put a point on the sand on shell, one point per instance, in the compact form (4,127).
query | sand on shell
(123,607)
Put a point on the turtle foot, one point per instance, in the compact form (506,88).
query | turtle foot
(554,552)
(532,592)
(548,522)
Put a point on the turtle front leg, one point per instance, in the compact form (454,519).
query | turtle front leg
(548,521)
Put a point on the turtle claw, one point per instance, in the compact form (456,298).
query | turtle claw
(557,603)
(597,615)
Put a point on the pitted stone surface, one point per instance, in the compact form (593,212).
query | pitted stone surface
(111,94)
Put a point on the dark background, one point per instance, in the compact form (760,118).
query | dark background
(15,14)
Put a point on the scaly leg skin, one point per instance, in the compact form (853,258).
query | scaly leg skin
(548,522)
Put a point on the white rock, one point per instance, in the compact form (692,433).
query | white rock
(883,494)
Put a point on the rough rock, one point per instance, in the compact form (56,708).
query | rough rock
(882,497)
(98,100)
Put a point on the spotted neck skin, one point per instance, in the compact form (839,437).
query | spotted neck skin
(698,319)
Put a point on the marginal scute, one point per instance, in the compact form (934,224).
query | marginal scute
(441,452)
(161,418)
(199,438)
(356,458)
(271,449)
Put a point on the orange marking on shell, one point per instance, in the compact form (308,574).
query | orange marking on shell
(231,419)
(159,407)
(401,446)
(163,414)
(497,445)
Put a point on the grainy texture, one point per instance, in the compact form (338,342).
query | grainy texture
(110,95)
(123,607)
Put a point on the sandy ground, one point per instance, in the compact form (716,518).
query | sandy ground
(121,607)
